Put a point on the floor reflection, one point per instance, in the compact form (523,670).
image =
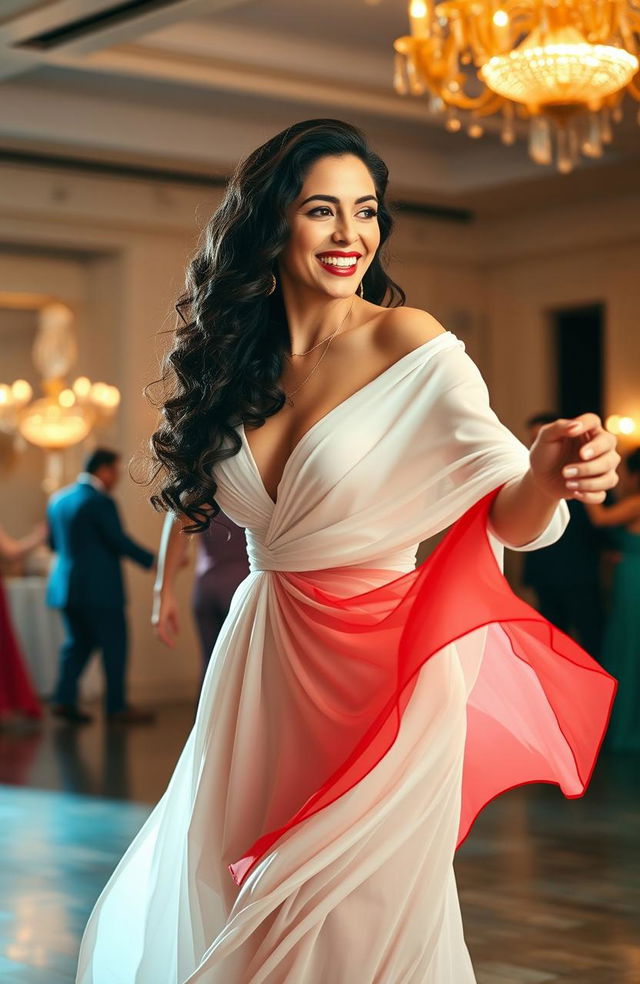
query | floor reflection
(550,888)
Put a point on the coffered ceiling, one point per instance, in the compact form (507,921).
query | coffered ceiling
(193,85)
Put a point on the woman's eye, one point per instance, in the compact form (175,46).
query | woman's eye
(369,213)
(321,211)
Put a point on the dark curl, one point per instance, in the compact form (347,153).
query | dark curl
(230,339)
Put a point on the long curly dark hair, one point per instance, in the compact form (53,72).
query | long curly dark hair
(231,335)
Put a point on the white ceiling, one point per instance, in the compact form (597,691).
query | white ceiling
(195,84)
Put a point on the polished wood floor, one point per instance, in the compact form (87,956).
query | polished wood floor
(550,888)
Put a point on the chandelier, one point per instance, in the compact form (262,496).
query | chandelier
(66,414)
(561,66)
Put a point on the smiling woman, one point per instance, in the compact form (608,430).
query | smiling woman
(346,732)
(313,189)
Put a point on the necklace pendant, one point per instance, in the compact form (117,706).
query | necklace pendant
(289,401)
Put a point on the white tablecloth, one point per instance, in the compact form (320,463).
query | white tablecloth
(40,634)
(38,628)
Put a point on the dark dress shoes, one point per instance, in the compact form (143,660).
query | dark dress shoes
(131,715)
(71,714)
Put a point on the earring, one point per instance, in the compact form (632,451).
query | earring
(273,285)
(360,290)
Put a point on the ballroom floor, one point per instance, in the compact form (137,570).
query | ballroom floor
(550,888)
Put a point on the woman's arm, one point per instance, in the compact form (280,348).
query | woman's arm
(570,459)
(618,514)
(11,549)
(172,555)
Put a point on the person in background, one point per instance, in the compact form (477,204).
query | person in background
(86,585)
(621,648)
(221,564)
(566,576)
(18,699)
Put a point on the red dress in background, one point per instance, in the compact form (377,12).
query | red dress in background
(16,690)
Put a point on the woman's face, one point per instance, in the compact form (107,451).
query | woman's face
(333,224)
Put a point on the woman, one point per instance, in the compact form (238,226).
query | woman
(621,649)
(18,700)
(347,690)
(221,564)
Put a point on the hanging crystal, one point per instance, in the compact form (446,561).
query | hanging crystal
(400,81)
(540,149)
(457,30)
(605,125)
(592,140)
(508,132)
(416,86)
(573,142)
(564,155)
(452,120)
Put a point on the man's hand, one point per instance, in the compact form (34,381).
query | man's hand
(575,459)
(165,618)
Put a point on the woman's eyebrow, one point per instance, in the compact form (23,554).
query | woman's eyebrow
(336,201)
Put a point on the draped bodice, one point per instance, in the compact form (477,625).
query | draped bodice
(261,558)
(396,462)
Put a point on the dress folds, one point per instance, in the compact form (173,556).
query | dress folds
(357,713)
(523,722)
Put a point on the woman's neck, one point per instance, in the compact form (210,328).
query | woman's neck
(312,316)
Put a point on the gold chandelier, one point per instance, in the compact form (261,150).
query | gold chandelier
(562,66)
(65,415)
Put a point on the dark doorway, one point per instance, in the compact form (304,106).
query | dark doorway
(579,359)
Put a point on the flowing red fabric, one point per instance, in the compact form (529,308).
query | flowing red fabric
(538,704)
(16,692)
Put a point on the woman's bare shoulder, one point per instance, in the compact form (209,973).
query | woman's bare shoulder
(402,329)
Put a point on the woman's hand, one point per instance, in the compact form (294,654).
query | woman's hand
(575,459)
(37,536)
(165,617)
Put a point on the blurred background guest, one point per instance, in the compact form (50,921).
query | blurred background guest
(621,649)
(18,700)
(86,584)
(566,577)
(221,564)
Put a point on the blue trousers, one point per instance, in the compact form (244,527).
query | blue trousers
(87,628)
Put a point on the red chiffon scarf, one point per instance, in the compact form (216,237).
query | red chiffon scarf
(537,710)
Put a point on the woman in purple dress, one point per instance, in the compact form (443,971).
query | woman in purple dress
(221,564)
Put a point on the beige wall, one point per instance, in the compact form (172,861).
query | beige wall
(120,247)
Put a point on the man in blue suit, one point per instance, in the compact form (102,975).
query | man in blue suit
(86,585)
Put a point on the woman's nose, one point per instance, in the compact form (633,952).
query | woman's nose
(344,231)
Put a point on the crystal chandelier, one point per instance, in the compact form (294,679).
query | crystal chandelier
(65,415)
(562,66)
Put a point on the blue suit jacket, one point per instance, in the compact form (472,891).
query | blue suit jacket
(86,534)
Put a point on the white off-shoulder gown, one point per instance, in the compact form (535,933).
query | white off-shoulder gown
(340,710)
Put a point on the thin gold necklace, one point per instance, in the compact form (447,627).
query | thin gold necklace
(328,341)
(327,338)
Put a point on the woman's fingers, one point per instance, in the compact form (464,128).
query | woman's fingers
(598,444)
(591,497)
(587,424)
(164,633)
(584,423)
(604,463)
(607,481)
